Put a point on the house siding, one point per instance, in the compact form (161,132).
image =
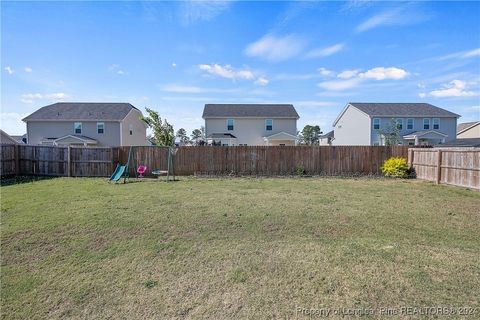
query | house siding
(139,136)
(473,132)
(250,131)
(39,130)
(448,126)
(352,129)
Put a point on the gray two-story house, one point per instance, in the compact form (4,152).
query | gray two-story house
(250,124)
(86,124)
(418,123)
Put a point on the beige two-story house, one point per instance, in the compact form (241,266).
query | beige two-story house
(250,124)
(86,124)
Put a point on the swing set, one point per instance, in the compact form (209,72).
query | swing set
(122,170)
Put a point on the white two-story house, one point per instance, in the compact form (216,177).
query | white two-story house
(250,124)
(418,123)
(86,124)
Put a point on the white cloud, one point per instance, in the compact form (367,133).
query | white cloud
(262,81)
(227,71)
(381,73)
(405,15)
(353,78)
(460,55)
(455,88)
(27,69)
(116,69)
(325,52)
(422,94)
(32,97)
(193,11)
(174,65)
(325,72)
(274,48)
(347,74)
(340,84)
(11,122)
(9,70)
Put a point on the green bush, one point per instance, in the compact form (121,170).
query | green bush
(395,167)
(300,170)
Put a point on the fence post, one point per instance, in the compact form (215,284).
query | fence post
(410,157)
(439,166)
(17,159)
(69,161)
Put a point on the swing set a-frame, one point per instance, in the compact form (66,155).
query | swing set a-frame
(122,170)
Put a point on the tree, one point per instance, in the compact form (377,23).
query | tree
(162,131)
(309,135)
(198,135)
(182,136)
(391,133)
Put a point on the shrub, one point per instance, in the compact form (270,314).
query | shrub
(300,170)
(395,167)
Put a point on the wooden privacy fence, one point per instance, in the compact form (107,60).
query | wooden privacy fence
(248,160)
(459,167)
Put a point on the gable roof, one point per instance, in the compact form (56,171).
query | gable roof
(81,111)
(249,110)
(374,109)
(466,125)
(402,109)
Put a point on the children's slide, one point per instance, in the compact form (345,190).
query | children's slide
(118,173)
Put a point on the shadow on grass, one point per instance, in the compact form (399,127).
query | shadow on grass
(9,181)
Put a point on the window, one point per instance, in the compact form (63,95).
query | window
(130,129)
(426,124)
(400,124)
(230,124)
(269,124)
(100,127)
(436,123)
(410,124)
(376,123)
(77,128)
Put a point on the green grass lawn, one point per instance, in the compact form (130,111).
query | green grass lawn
(235,248)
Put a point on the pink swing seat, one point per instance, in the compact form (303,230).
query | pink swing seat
(141,170)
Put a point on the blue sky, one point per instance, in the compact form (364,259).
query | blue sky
(176,56)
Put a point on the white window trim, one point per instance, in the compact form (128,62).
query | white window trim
(413,124)
(266,124)
(423,122)
(75,127)
(233,124)
(103,127)
(433,123)
(373,123)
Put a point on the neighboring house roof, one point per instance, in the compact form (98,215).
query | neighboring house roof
(281,136)
(5,138)
(422,133)
(374,109)
(19,139)
(221,136)
(461,127)
(249,110)
(330,134)
(464,142)
(82,111)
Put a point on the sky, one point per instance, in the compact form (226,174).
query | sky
(174,57)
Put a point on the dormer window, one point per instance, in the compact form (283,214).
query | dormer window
(77,128)
(269,125)
(230,124)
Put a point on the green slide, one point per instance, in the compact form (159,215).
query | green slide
(118,173)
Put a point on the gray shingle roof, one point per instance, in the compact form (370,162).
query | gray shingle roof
(249,110)
(465,125)
(465,142)
(82,111)
(221,135)
(402,109)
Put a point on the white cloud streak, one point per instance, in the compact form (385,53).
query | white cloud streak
(9,70)
(455,88)
(398,16)
(228,72)
(325,52)
(275,48)
(32,97)
(194,11)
